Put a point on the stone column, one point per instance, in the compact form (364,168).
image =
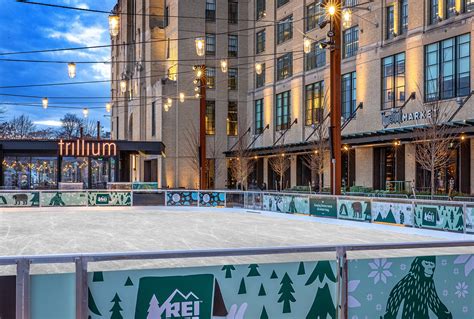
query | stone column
(364,171)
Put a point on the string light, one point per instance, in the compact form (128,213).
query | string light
(45,103)
(114,22)
(224,65)
(306,45)
(200,46)
(258,68)
(170,101)
(181,97)
(166,107)
(197,95)
(71,70)
(108,107)
(85,112)
(346,18)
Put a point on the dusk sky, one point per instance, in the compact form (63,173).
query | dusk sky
(28,27)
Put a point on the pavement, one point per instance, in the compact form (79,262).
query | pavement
(40,231)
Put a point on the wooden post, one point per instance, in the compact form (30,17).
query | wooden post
(202,131)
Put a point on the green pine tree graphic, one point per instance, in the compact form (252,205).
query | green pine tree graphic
(286,293)
(301,270)
(274,275)
(91,303)
(98,276)
(261,291)
(323,305)
(322,269)
(242,288)
(253,271)
(264,314)
(228,270)
(129,282)
(116,309)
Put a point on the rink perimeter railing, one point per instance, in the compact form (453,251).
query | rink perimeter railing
(452,216)
(339,288)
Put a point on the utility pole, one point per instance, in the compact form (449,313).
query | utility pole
(335,97)
(202,130)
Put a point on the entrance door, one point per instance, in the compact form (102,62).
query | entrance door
(99,172)
(150,171)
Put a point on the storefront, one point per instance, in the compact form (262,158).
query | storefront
(81,163)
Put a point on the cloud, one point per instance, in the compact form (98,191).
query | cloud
(49,123)
(78,33)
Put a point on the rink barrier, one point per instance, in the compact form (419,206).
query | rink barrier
(342,285)
(452,216)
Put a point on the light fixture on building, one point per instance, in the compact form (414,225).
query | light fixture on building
(108,107)
(346,18)
(71,70)
(123,86)
(282,154)
(114,24)
(224,65)
(463,137)
(45,103)
(200,46)
(346,148)
(258,68)
(181,97)
(85,112)
(307,45)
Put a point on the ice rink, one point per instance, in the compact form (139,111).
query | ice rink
(42,231)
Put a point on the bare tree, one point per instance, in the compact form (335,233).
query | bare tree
(433,140)
(70,126)
(22,127)
(215,152)
(280,164)
(241,164)
(191,140)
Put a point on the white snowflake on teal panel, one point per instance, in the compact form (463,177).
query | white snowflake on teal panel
(462,290)
(380,270)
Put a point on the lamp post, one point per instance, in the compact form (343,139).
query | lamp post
(200,71)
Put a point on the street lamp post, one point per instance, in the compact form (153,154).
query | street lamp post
(202,126)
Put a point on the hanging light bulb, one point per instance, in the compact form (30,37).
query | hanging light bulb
(197,95)
(108,107)
(306,45)
(45,103)
(114,24)
(169,101)
(197,89)
(123,86)
(224,65)
(71,70)
(258,68)
(198,73)
(346,18)
(166,107)
(85,112)
(196,81)
(181,97)
(200,46)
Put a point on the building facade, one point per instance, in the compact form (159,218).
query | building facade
(402,62)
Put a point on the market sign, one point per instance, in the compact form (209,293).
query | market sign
(83,148)
(396,116)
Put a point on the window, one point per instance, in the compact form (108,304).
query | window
(285,66)
(314,103)
(210,117)
(260,78)
(232,81)
(434,14)
(260,8)
(393,81)
(233,45)
(351,42)
(390,31)
(350,3)
(166,17)
(258,116)
(316,58)
(285,30)
(233,12)
(469,5)
(283,110)
(403,16)
(282,2)
(232,116)
(447,68)
(260,45)
(211,77)
(168,48)
(153,119)
(348,94)
(211,10)
(210,44)
(314,15)
(450,8)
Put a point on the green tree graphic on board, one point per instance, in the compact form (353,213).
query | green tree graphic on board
(57,200)
(116,309)
(35,199)
(91,303)
(323,305)
(321,270)
(253,271)
(98,276)
(261,291)
(264,314)
(301,270)
(460,224)
(242,287)
(286,293)
(228,270)
(274,275)
(129,282)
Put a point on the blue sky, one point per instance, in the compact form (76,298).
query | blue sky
(27,27)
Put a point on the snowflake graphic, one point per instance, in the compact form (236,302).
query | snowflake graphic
(403,267)
(380,270)
(467,261)
(465,309)
(445,292)
(444,262)
(352,287)
(370,297)
(378,307)
(461,290)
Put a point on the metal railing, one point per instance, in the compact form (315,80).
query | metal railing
(81,261)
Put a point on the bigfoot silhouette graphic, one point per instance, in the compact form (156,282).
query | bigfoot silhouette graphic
(417,292)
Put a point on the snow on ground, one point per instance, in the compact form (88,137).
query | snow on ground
(42,231)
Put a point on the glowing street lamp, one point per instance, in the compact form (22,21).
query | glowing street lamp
(71,70)
(108,107)
(306,45)
(45,103)
(85,112)
(200,46)
(331,9)
(114,23)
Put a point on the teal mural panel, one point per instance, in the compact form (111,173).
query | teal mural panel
(182,198)
(63,199)
(323,207)
(20,199)
(392,213)
(470,219)
(426,287)
(442,217)
(289,204)
(110,198)
(53,296)
(143,185)
(211,199)
(354,210)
